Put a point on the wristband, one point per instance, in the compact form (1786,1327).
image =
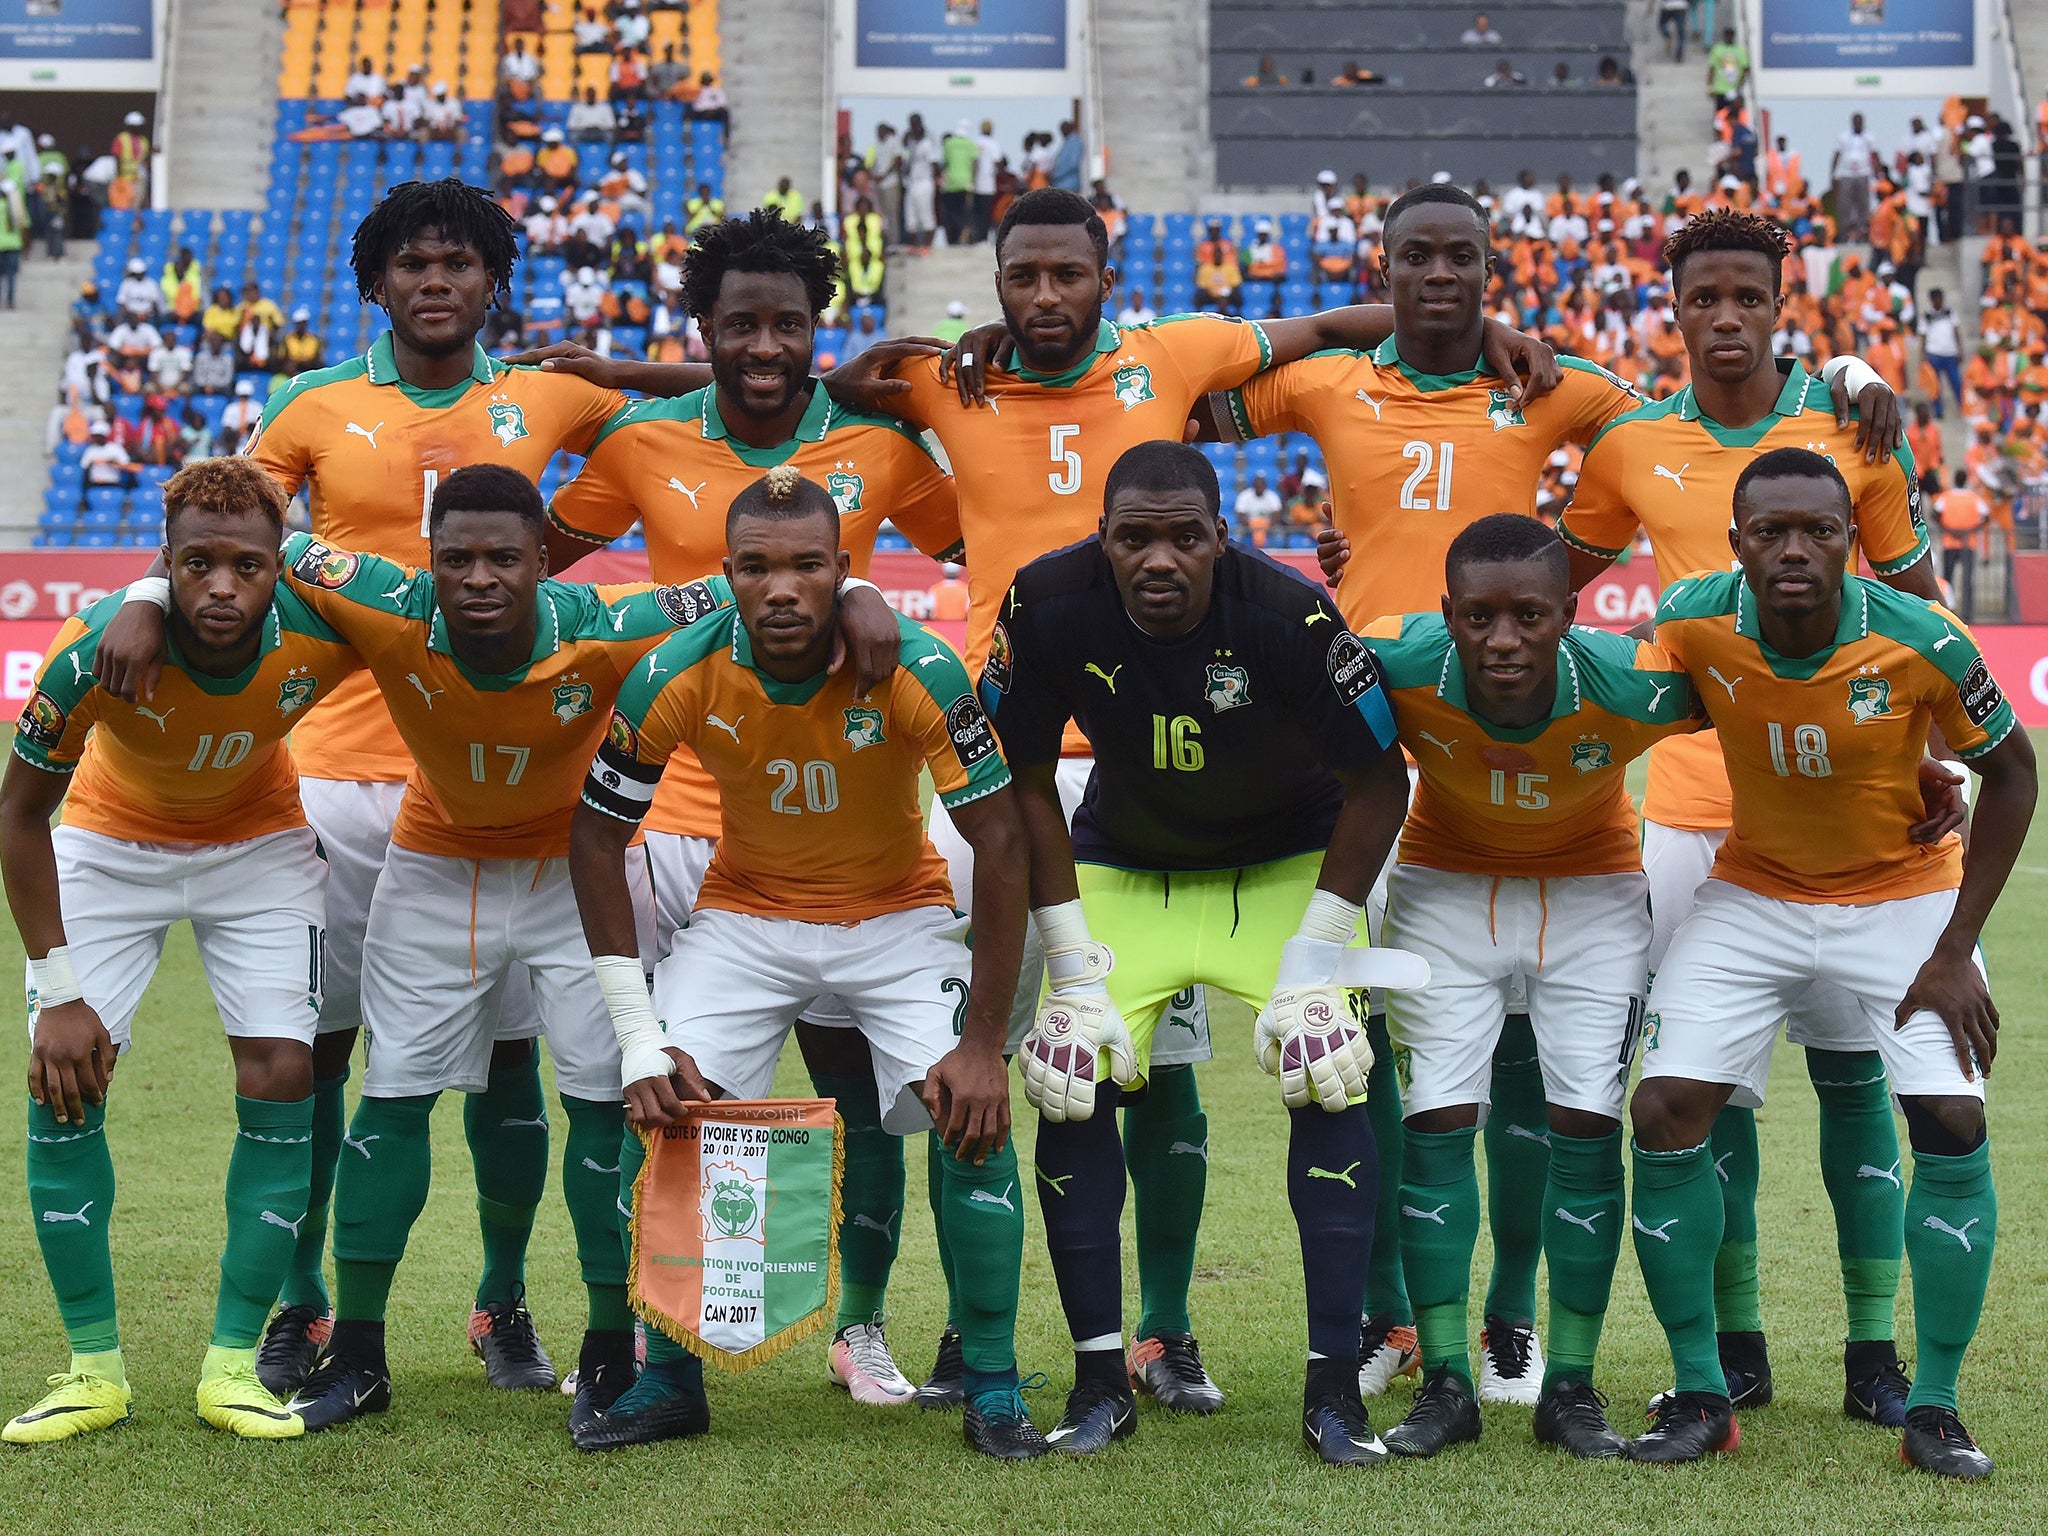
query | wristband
(1856,375)
(53,979)
(154,590)
(641,1041)
(853,582)
(1073,960)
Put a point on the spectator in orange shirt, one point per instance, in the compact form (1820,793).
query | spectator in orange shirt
(1923,438)
(949,595)
(1217,274)
(1963,516)
(1265,258)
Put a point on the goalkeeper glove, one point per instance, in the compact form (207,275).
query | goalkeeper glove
(1077,1024)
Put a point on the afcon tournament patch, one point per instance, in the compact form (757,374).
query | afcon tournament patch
(1980,694)
(42,720)
(683,606)
(995,672)
(622,736)
(325,566)
(973,741)
(1353,672)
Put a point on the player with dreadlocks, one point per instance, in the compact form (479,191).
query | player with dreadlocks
(370,439)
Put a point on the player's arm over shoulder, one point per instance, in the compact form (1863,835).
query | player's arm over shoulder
(1636,680)
(934,698)
(333,581)
(59,714)
(1591,397)
(658,709)
(637,610)
(1284,399)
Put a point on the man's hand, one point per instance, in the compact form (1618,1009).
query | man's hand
(869,638)
(1333,550)
(1512,353)
(654,1101)
(863,384)
(1313,1040)
(1941,797)
(968,1095)
(71,1062)
(567,357)
(1881,420)
(1062,1054)
(969,359)
(130,660)
(1952,988)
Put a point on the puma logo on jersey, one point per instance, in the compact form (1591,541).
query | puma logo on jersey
(983,1197)
(1947,637)
(1434,742)
(425,692)
(1580,1221)
(654,668)
(1726,682)
(732,730)
(1541,1138)
(1318,617)
(1661,1233)
(1662,689)
(160,719)
(1872,1171)
(863,1219)
(83,1220)
(677,485)
(1375,404)
(596,1167)
(1933,1223)
(1059,1185)
(625,1210)
(78,673)
(1436,1215)
(271,1218)
(362,1146)
(1675,476)
(399,593)
(1343,1177)
(367,434)
(1108,677)
(1189,1149)
(927,660)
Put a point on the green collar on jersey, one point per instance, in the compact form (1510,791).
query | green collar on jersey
(778,692)
(383,363)
(816,422)
(1790,402)
(1451,689)
(1388,355)
(547,639)
(1107,339)
(1854,624)
(206,682)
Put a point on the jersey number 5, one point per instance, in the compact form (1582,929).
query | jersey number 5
(1067,478)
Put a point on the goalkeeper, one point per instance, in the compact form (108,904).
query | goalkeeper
(1239,732)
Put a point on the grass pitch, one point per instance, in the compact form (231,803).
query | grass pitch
(789,1453)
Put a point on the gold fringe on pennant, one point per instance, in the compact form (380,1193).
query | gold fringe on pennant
(678,1333)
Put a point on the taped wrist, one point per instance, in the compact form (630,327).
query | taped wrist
(641,1041)
(1074,961)
(53,979)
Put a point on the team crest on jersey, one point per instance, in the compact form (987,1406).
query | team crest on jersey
(295,693)
(572,700)
(1869,697)
(864,726)
(1502,411)
(995,672)
(1133,384)
(324,566)
(508,422)
(1591,756)
(845,488)
(42,722)
(1226,687)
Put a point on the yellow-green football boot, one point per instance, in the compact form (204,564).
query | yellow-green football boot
(77,1403)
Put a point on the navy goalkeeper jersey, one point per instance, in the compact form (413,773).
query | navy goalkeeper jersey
(1212,751)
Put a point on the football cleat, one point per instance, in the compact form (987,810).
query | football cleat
(291,1348)
(76,1404)
(1510,1363)
(1386,1350)
(341,1389)
(947,1384)
(1097,1413)
(1444,1414)
(1573,1415)
(1745,1363)
(605,1368)
(573,1383)
(503,1336)
(658,1406)
(1169,1367)
(861,1363)
(1877,1383)
(1334,1423)
(998,1425)
(1937,1442)
(1688,1425)
(238,1402)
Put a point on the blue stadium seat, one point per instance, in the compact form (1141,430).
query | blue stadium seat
(55,538)
(138,538)
(96,538)
(52,518)
(100,517)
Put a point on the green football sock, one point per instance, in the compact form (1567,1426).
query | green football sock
(591,1165)
(304,1283)
(71,1201)
(1677,1222)
(1386,1283)
(270,1174)
(1738,1307)
(1439,1227)
(935,1154)
(1583,1211)
(1951,1230)
(1166,1150)
(661,1349)
(507,1129)
(870,1199)
(1859,1163)
(387,1163)
(1517,1156)
(985,1231)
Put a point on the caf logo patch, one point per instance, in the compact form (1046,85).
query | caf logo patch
(572,700)
(1980,695)
(683,606)
(973,741)
(42,720)
(1353,672)
(325,566)
(863,726)
(1227,687)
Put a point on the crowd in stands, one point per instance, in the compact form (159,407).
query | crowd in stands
(48,197)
